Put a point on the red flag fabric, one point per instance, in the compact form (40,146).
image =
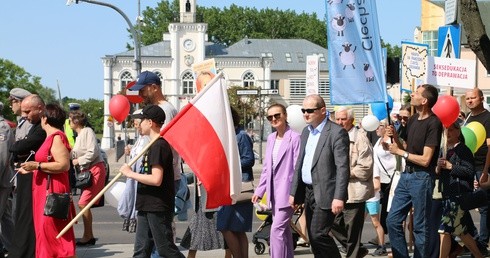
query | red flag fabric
(204,135)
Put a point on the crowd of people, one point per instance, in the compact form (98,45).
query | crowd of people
(333,170)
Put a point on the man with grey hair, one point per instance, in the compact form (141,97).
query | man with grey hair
(32,108)
(347,227)
(6,173)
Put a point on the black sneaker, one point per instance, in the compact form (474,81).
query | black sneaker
(380,251)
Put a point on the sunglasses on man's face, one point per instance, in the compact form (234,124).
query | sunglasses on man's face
(309,110)
(276,116)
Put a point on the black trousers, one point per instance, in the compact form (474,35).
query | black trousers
(24,241)
(347,227)
(385,192)
(319,223)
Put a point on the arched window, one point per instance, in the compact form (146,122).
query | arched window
(187,83)
(126,78)
(248,80)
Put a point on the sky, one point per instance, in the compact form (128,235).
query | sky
(64,44)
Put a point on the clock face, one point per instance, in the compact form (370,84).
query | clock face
(189,45)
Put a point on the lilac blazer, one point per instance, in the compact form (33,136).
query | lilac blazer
(281,175)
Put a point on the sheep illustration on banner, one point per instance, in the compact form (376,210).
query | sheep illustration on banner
(354,53)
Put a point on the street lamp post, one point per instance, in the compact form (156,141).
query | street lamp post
(134,33)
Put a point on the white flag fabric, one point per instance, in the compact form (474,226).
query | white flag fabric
(204,135)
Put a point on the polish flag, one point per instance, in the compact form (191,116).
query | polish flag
(204,135)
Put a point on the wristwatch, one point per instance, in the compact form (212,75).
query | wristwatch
(405,155)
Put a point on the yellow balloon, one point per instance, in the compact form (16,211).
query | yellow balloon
(264,202)
(480,132)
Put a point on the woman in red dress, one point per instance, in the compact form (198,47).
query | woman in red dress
(53,159)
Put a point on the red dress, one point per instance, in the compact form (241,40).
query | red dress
(47,228)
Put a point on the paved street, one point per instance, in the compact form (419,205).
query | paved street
(113,242)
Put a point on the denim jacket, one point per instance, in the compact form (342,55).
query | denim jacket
(247,159)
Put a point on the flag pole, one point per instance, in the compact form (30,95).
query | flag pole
(97,197)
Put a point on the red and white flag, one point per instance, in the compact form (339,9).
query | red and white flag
(204,135)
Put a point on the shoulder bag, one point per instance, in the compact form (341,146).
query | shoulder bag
(472,200)
(83,179)
(57,204)
(246,193)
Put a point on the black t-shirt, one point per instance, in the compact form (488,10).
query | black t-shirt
(421,133)
(157,198)
(481,154)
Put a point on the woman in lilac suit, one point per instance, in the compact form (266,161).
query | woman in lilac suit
(278,170)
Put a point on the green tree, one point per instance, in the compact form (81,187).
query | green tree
(231,24)
(243,104)
(14,76)
(94,109)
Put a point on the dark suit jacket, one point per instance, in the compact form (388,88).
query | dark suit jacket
(34,139)
(330,167)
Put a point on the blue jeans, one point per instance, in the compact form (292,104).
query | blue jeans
(155,228)
(413,189)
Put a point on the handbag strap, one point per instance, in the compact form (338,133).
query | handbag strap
(388,174)
(49,182)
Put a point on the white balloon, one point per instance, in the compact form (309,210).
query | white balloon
(295,118)
(370,123)
(114,194)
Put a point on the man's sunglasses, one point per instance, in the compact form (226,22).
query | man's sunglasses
(309,110)
(276,116)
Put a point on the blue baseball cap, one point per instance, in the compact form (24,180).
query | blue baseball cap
(146,78)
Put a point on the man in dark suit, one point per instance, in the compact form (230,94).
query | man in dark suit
(24,243)
(321,175)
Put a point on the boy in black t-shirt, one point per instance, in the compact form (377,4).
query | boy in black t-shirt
(155,194)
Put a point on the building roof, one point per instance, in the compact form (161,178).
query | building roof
(288,54)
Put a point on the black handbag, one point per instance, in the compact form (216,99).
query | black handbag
(473,200)
(84,179)
(57,204)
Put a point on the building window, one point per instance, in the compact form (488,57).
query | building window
(288,57)
(323,88)
(297,88)
(126,78)
(430,38)
(301,57)
(187,83)
(248,80)
(274,84)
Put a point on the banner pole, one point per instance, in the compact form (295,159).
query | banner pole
(97,197)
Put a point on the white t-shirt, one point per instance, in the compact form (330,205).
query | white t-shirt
(384,162)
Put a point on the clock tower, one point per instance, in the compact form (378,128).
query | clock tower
(187,45)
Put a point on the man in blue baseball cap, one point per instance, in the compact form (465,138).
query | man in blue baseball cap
(146,78)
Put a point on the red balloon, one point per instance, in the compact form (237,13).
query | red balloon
(119,107)
(447,109)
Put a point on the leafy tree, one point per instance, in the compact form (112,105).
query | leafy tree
(393,51)
(94,109)
(475,31)
(241,103)
(233,23)
(14,76)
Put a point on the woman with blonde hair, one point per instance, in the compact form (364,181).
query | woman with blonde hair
(87,156)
